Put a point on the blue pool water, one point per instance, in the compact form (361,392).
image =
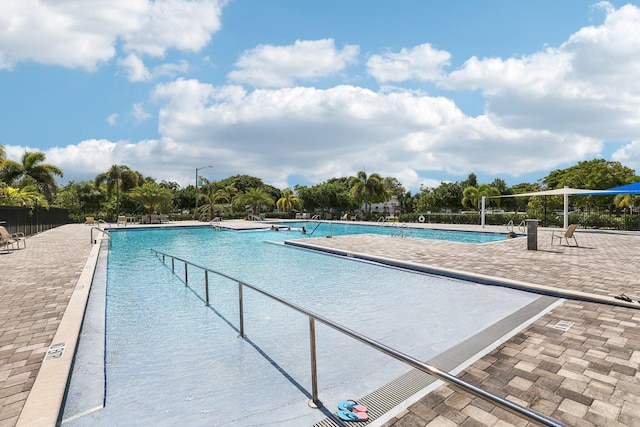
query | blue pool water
(322,229)
(170,360)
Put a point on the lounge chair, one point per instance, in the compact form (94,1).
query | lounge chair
(89,220)
(12,239)
(565,234)
(345,217)
(122,220)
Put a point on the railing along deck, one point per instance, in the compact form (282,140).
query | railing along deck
(521,411)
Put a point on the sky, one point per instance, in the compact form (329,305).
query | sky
(297,92)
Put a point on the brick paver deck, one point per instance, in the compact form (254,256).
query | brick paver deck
(35,286)
(585,376)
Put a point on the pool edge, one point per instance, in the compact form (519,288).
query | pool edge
(44,403)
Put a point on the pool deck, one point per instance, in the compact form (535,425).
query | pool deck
(586,375)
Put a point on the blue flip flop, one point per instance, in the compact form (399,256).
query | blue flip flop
(351,405)
(352,416)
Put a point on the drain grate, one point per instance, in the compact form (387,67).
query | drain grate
(55,351)
(387,397)
(563,325)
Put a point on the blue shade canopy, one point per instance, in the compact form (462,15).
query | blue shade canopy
(625,189)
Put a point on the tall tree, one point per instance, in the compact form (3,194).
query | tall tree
(368,189)
(33,171)
(255,198)
(152,195)
(120,178)
(472,196)
(288,201)
(217,198)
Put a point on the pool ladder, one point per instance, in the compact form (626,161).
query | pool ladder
(215,223)
(521,226)
(400,230)
(514,408)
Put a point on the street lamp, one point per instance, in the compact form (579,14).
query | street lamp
(197,169)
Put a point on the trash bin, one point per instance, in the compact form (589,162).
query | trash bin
(532,234)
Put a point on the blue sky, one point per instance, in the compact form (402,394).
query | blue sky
(296,92)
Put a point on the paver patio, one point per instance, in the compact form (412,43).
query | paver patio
(584,376)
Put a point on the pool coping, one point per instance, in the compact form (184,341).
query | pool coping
(44,403)
(463,275)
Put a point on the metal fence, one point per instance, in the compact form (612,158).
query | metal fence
(17,219)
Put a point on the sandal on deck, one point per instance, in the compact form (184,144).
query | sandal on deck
(623,297)
(351,405)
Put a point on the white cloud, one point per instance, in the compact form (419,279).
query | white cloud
(84,34)
(137,71)
(135,68)
(628,155)
(319,134)
(139,114)
(587,86)
(421,62)
(282,66)
(112,119)
(177,24)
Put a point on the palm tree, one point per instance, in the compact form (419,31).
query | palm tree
(32,168)
(368,189)
(288,201)
(120,177)
(254,197)
(626,201)
(217,196)
(27,196)
(152,195)
(472,196)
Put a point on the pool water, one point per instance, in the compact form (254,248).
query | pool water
(322,229)
(172,360)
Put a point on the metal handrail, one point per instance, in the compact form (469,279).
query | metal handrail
(103,232)
(521,411)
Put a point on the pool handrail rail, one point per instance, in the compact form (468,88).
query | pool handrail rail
(103,231)
(512,407)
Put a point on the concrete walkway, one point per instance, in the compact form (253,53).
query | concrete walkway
(586,375)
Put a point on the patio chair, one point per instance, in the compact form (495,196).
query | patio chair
(567,234)
(89,220)
(122,220)
(12,239)
(345,217)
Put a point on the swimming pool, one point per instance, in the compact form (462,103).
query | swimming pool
(170,359)
(330,228)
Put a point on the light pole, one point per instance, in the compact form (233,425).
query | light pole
(197,169)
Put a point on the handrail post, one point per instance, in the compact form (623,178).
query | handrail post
(206,285)
(241,307)
(173,265)
(186,274)
(314,402)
